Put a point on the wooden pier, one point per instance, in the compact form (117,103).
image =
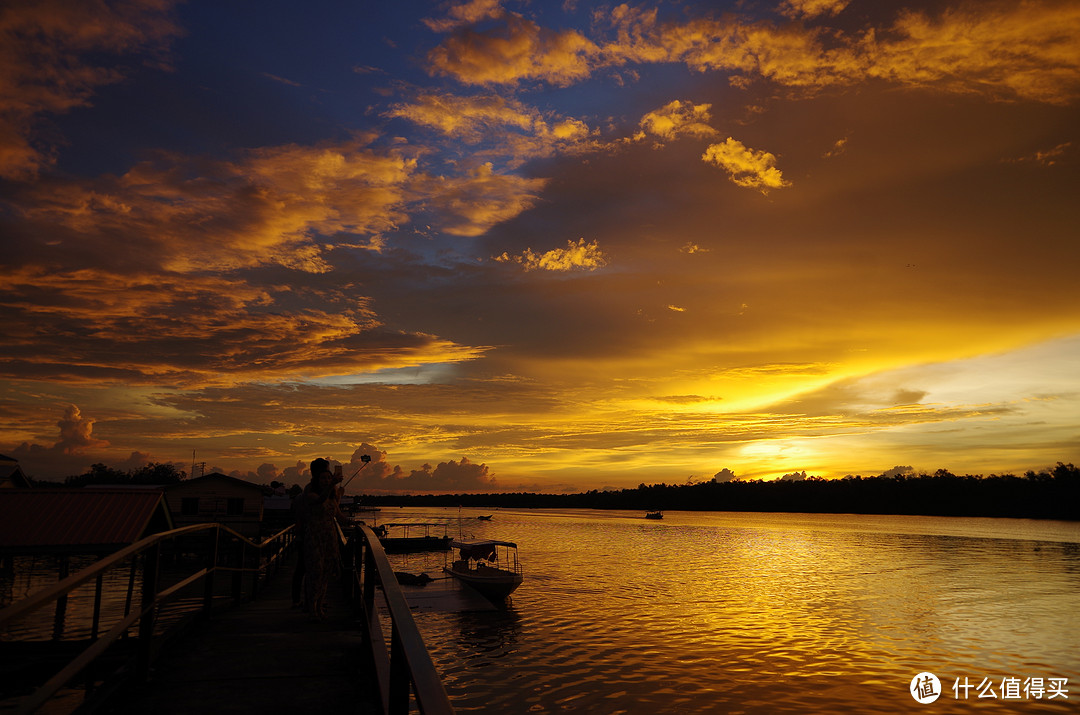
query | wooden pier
(262,657)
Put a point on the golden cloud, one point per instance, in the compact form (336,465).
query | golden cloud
(46,48)
(677,119)
(472,204)
(576,256)
(1025,50)
(467,13)
(189,330)
(263,208)
(812,8)
(746,167)
(513,130)
(518,50)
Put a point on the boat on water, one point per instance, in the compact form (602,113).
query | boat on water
(654,514)
(484,518)
(413,537)
(491,567)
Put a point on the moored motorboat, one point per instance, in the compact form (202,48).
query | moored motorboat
(654,514)
(491,567)
(413,537)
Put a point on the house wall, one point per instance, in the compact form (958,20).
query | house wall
(214,504)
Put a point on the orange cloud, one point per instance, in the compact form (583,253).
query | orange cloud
(677,119)
(1024,50)
(518,50)
(467,13)
(513,131)
(76,432)
(472,204)
(263,208)
(48,51)
(1047,157)
(746,167)
(576,256)
(269,206)
(812,8)
(190,330)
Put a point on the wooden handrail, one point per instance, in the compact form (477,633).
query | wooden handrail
(152,598)
(409,657)
(48,595)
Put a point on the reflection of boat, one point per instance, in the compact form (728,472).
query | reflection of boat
(412,537)
(654,514)
(491,567)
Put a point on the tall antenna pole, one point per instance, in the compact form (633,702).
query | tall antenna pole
(191,474)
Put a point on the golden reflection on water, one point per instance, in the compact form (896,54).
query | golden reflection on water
(762,613)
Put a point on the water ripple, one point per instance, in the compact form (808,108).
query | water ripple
(700,614)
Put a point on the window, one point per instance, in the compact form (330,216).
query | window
(234,506)
(189,506)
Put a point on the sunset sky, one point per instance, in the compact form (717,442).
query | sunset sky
(538,245)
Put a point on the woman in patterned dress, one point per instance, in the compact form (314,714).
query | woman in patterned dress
(321,554)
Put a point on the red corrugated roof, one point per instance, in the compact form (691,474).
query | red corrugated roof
(73,518)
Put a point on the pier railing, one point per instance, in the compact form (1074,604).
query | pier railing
(216,548)
(405,661)
(162,566)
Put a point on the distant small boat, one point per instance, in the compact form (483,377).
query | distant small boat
(484,518)
(490,567)
(654,514)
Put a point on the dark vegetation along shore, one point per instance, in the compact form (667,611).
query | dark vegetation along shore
(1036,495)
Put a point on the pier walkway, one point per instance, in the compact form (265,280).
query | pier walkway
(262,657)
(259,655)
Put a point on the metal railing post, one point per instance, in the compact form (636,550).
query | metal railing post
(238,574)
(211,570)
(255,573)
(61,603)
(369,580)
(98,583)
(146,622)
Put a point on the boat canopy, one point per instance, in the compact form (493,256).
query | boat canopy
(481,549)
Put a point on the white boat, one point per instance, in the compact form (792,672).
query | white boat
(491,567)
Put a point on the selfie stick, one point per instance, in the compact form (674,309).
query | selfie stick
(366,461)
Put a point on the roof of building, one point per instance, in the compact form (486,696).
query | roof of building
(78,520)
(11,473)
(215,477)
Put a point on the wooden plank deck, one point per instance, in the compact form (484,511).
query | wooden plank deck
(262,657)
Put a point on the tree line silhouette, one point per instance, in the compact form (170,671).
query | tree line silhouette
(1048,494)
(1053,494)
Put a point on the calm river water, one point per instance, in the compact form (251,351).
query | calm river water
(708,612)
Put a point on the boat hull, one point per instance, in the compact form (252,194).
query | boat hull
(495,584)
